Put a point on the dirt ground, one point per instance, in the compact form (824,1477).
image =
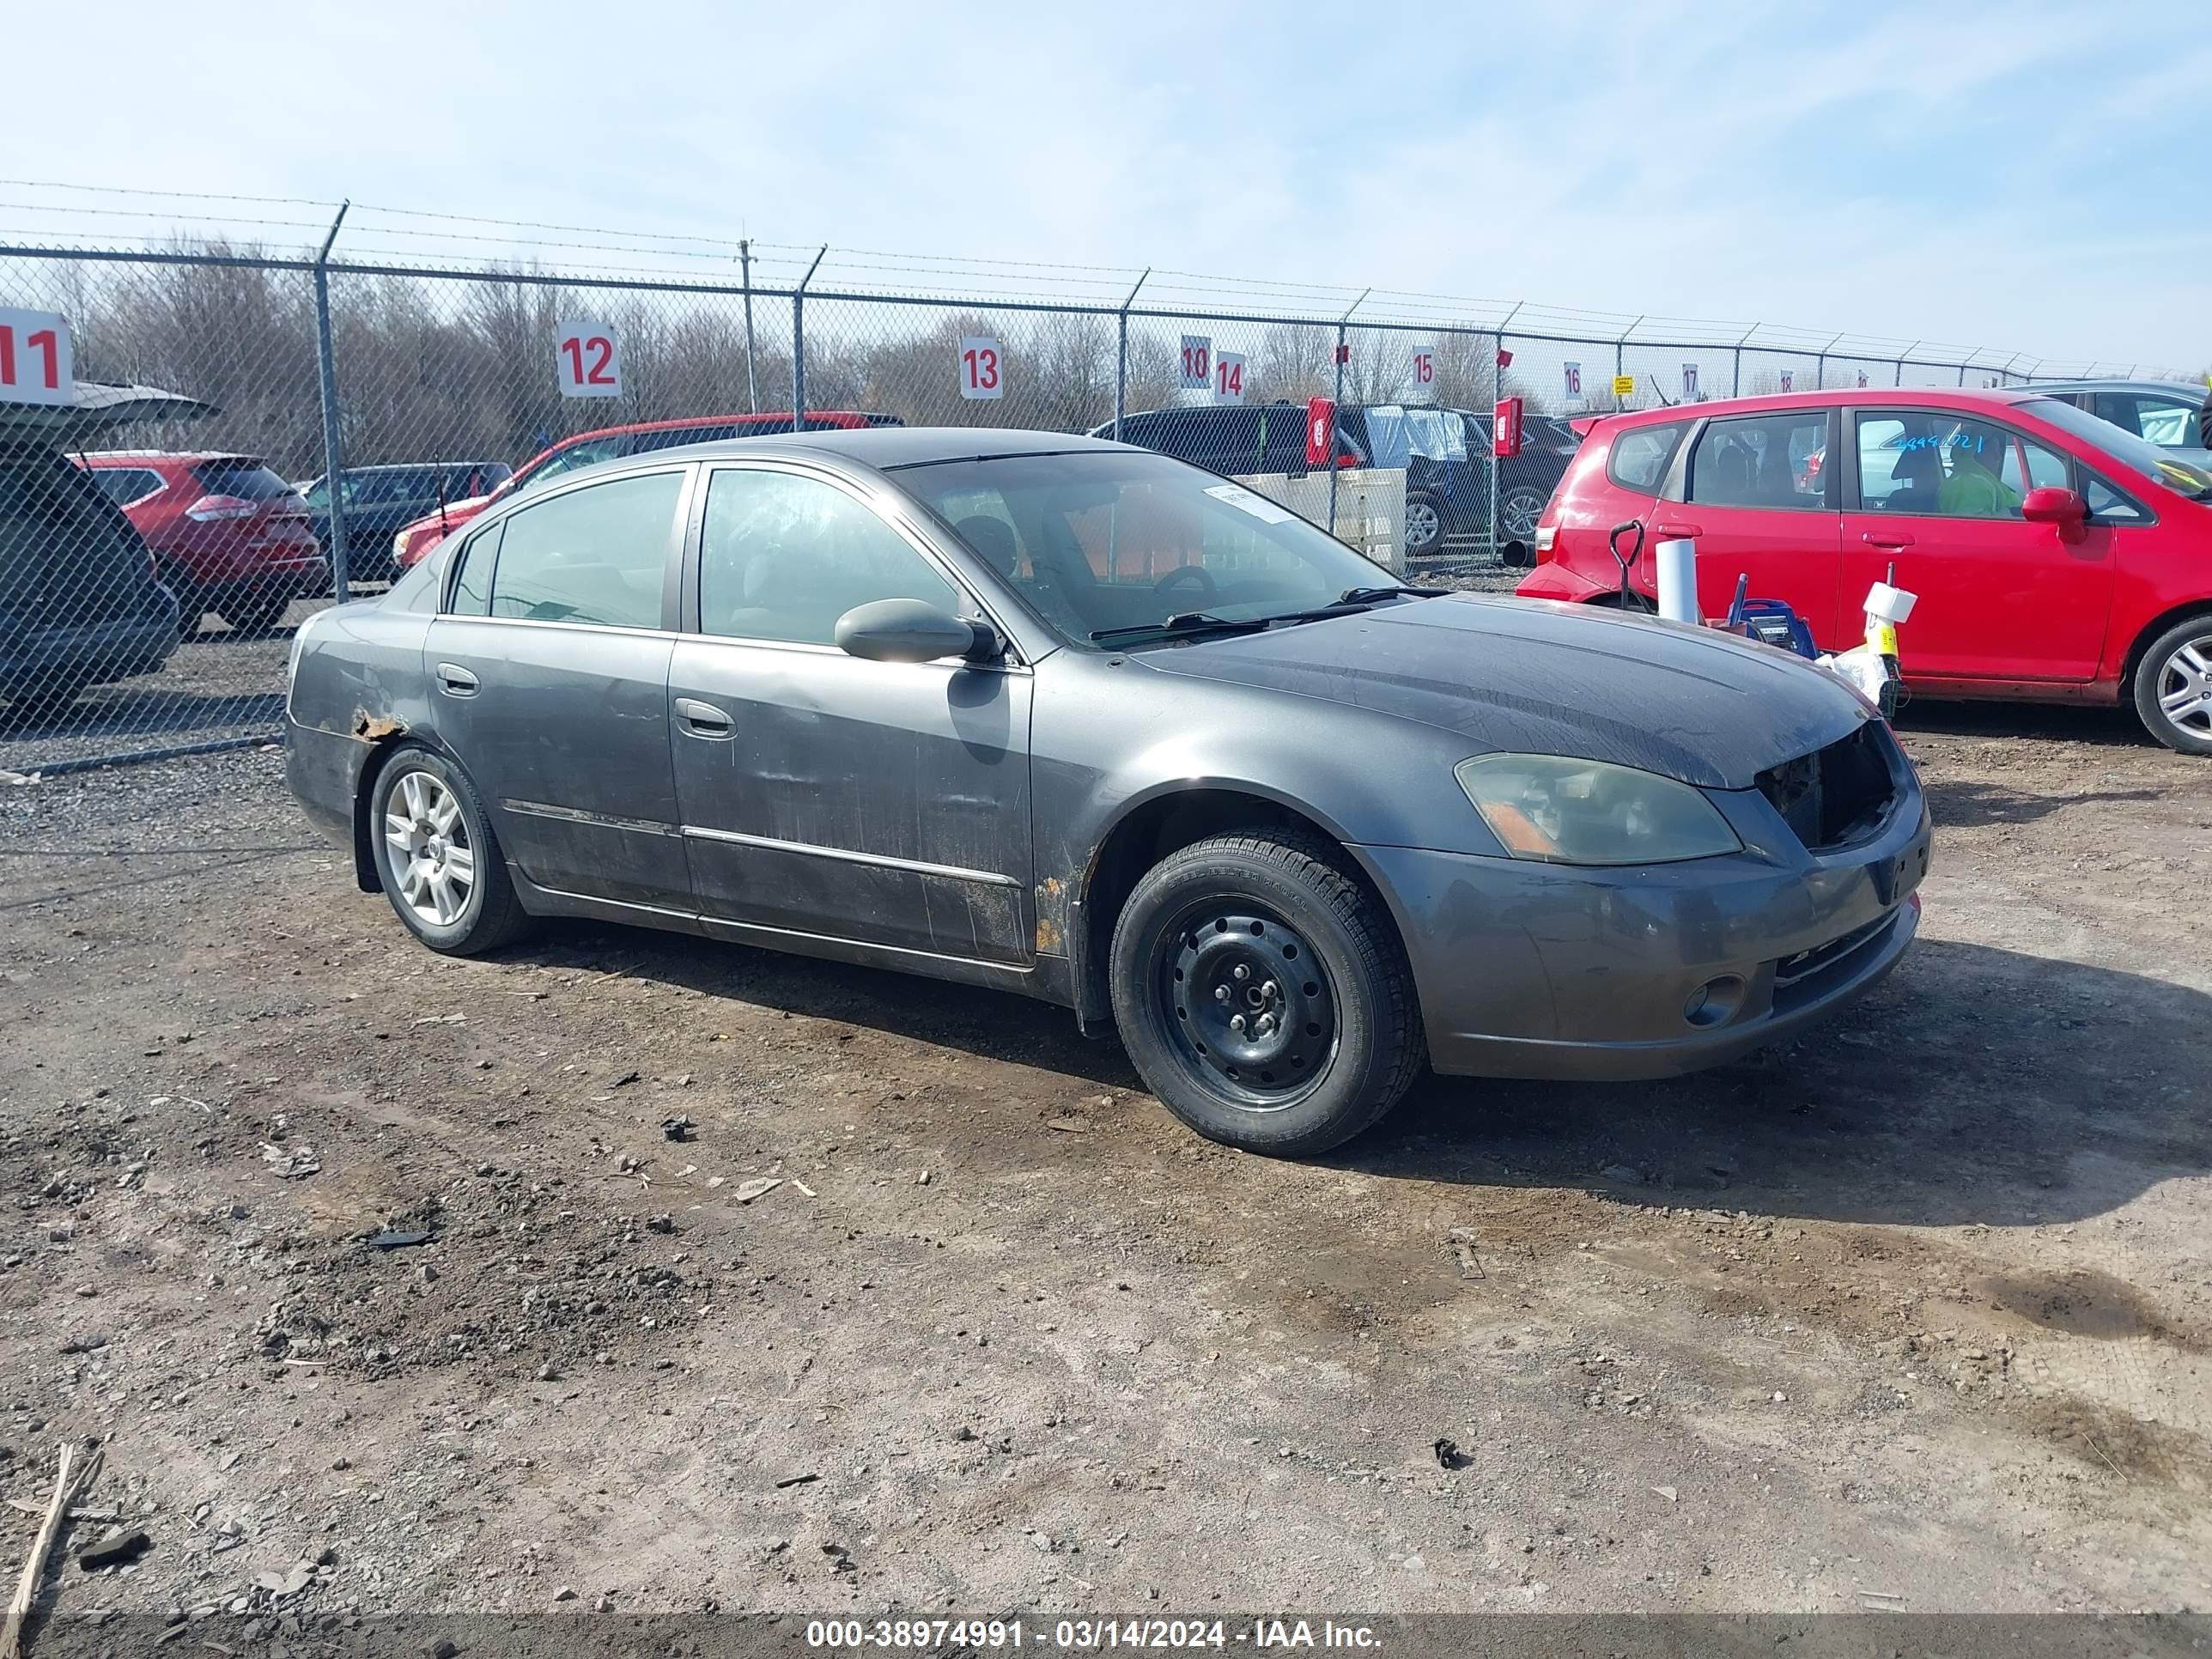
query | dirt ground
(1914,1313)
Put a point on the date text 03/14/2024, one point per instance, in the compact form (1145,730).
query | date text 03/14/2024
(1085,1635)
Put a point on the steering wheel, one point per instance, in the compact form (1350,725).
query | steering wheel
(1197,575)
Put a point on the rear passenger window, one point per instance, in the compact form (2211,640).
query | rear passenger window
(595,555)
(1763,461)
(472,574)
(1639,457)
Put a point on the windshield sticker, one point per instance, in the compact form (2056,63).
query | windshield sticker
(1258,506)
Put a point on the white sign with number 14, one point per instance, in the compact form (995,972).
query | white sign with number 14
(36,365)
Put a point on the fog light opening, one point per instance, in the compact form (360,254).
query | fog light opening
(1715,1002)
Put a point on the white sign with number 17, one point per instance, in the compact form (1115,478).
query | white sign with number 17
(36,364)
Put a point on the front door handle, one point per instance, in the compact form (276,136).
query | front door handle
(456,681)
(703,719)
(1887,539)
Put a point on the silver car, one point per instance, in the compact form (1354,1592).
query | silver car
(1071,718)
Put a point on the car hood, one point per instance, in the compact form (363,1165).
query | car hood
(1528,677)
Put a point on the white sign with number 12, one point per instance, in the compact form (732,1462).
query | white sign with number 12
(587,360)
(36,364)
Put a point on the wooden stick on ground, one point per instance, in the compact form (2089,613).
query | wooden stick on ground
(34,1564)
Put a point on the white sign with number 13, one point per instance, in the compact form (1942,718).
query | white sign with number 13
(980,368)
(36,365)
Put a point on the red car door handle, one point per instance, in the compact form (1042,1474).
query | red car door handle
(1887,539)
(1676,533)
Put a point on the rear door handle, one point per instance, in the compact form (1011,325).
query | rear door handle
(1676,533)
(1887,539)
(456,681)
(703,719)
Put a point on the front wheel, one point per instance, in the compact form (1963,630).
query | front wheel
(438,859)
(1263,996)
(1425,522)
(2173,686)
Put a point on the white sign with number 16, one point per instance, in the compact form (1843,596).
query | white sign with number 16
(36,365)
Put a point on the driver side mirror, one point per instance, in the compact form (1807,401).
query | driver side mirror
(914,631)
(2048,504)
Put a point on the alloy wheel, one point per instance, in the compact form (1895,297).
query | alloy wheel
(427,840)
(1519,512)
(2185,687)
(1423,527)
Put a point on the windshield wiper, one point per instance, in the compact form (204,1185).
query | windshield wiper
(1376,595)
(1182,622)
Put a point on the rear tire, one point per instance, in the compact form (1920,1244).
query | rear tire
(1263,994)
(1519,512)
(191,601)
(438,859)
(2173,686)
(256,613)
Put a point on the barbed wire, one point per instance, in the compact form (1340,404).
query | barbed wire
(543,248)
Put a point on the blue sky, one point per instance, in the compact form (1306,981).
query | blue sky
(2016,175)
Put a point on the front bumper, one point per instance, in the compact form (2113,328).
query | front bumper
(1534,970)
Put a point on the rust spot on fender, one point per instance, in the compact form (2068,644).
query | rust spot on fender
(370,729)
(1049,939)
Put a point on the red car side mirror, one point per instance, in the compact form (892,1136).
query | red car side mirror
(2048,504)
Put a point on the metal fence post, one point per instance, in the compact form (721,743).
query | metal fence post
(1122,359)
(1901,356)
(1735,375)
(752,384)
(333,457)
(1343,351)
(1820,365)
(798,345)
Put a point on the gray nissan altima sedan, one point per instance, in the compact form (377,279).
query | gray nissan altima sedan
(1068,718)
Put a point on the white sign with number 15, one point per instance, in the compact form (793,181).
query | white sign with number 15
(587,360)
(36,365)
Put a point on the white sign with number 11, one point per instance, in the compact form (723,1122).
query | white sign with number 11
(36,365)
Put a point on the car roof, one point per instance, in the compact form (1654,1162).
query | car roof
(183,457)
(2117,384)
(884,447)
(1907,397)
(417,466)
(764,416)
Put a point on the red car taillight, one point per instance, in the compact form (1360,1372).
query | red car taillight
(210,508)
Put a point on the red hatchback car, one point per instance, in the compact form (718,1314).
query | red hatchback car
(610,443)
(2057,557)
(226,533)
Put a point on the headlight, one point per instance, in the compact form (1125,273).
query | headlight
(1577,812)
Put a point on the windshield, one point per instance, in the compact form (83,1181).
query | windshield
(1102,541)
(1396,434)
(2145,459)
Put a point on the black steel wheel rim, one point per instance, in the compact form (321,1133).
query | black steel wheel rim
(1247,1004)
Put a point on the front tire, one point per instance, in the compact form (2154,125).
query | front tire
(438,859)
(1424,523)
(1262,995)
(2173,686)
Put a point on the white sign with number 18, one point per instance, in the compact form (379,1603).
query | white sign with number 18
(36,364)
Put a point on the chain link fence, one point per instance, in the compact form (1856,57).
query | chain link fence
(254,433)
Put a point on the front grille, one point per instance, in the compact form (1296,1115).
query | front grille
(1834,795)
